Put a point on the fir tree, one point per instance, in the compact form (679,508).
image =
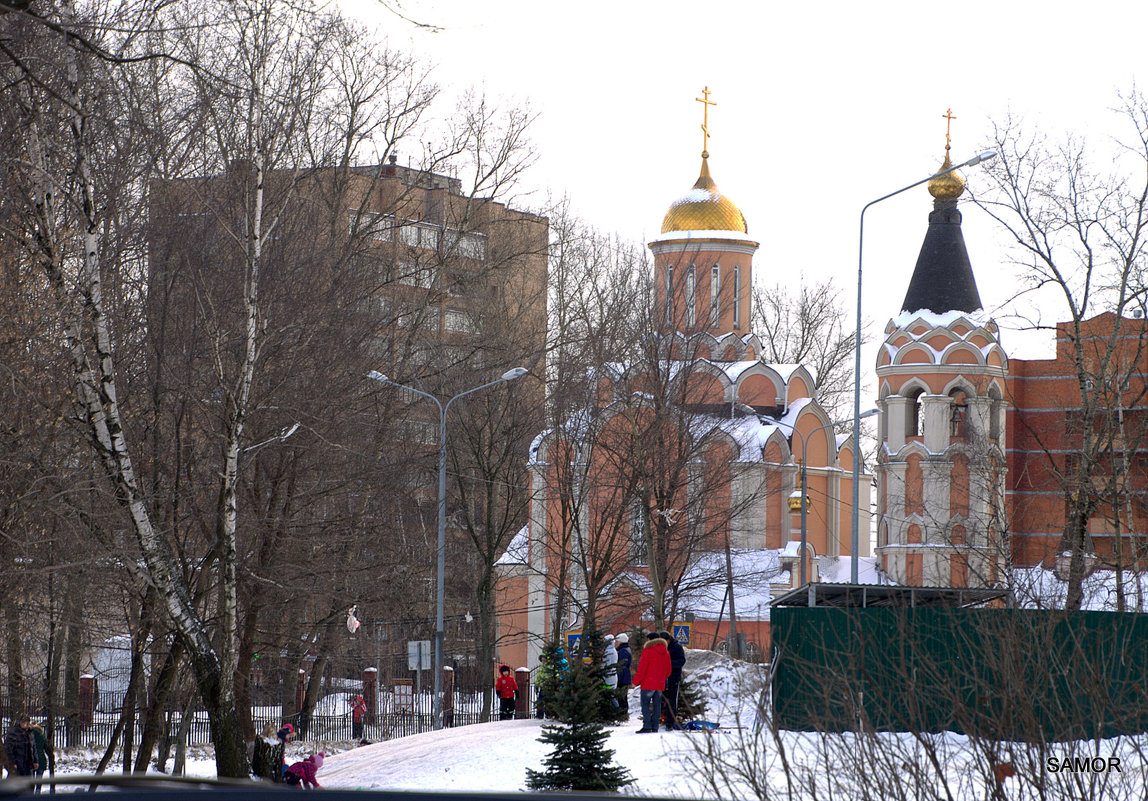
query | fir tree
(691,702)
(579,759)
(552,667)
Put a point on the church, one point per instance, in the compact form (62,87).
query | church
(675,498)
(980,456)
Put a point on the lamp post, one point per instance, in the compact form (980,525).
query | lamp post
(440,574)
(805,482)
(975,160)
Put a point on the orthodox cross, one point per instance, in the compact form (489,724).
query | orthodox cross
(948,115)
(706,103)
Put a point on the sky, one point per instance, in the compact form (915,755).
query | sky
(821,108)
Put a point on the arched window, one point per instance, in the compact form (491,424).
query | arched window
(691,297)
(715,295)
(670,295)
(913,413)
(995,410)
(959,407)
(737,296)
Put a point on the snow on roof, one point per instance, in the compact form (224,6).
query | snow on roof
(839,569)
(518,551)
(787,370)
(750,433)
(1039,588)
(703,587)
(789,419)
(640,582)
(935,319)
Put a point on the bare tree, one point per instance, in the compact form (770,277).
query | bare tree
(808,327)
(1080,232)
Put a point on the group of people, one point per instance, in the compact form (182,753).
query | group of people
(27,750)
(658,678)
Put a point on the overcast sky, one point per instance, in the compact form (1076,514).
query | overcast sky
(822,107)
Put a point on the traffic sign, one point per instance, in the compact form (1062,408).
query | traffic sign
(418,654)
(681,632)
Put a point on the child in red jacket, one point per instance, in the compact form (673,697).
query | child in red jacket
(506,688)
(653,670)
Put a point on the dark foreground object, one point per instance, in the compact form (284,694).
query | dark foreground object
(158,788)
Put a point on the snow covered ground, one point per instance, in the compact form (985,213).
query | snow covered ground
(494,757)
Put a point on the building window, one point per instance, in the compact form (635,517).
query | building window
(470,246)
(957,414)
(669,295)
(737,296)
(913,414)
(637,532)
(459,321)
(691,297)
(715,295)
(373,225)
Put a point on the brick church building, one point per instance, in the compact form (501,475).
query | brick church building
(677,490)
(976,455)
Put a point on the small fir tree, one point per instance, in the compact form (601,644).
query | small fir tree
(691,702)
(552,666)
(579,759)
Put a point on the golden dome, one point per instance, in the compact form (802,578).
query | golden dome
(704,208)
(946,187)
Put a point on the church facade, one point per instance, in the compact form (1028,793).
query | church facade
(674,497)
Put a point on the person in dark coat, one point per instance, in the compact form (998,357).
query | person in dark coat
(625,660)
(677,662)
(21,747)
(45,757)
(653,670)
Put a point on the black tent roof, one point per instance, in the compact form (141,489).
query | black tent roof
(943,278)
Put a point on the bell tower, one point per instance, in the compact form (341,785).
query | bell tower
(703,259)
(941,373)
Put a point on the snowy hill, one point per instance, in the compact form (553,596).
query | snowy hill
(493,757)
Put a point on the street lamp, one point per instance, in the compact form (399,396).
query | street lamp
(975,160)
(440,576)
(804,478)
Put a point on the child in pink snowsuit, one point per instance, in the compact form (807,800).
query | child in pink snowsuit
(303,773)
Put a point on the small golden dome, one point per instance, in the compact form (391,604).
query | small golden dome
(946,187)
(704,208)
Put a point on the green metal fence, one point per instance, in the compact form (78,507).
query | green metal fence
(1005,673)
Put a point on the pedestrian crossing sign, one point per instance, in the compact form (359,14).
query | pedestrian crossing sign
(681,632)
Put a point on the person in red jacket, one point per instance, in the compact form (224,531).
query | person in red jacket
(506,688)
(653,670)
(358,713)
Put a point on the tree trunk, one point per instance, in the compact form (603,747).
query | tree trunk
(179,767)
(156,720)
(73,647)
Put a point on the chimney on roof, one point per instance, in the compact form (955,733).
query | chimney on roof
(390,169)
